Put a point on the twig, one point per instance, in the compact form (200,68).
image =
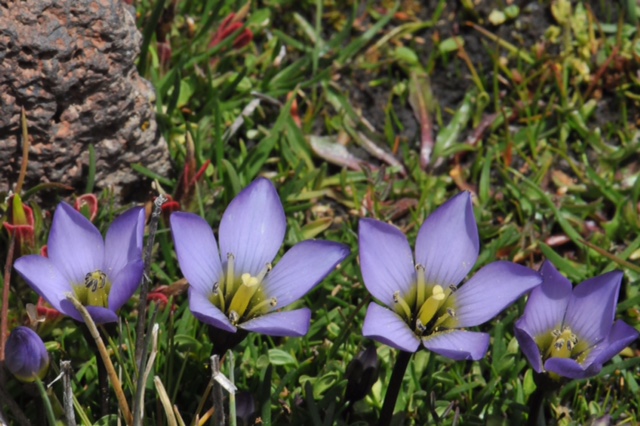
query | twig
(138,414)
(67,396)
(232,395)
(144,290)
(115,382)
(142,344)
(165,401)
(216,395)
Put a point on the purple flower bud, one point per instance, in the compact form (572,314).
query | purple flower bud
(25,355)
(362,374)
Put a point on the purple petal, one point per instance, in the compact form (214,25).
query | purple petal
(125,284)
(491,290)
(301,269)
(123,243)
(205,311)
(447,244)
(385,260)
(98,314)
(570,368)
(458,345)
(620,336)
(43,276)
(547,303)
(253,227)
(284,324)
(101,315)
(387,327)
(592,307)
(528,345)
(75,245)
(197,251)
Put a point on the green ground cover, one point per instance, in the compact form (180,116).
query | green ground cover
(382,110)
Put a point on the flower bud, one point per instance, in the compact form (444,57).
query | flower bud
(21,224)
(362,374)
(87,204)
(25,355)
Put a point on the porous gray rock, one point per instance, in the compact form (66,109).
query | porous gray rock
(71,65)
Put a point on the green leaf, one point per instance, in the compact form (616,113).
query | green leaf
(280,357)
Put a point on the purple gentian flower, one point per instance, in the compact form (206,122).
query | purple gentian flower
(236,287)
(570,332)
(25,355)
(101,273)
(424,303)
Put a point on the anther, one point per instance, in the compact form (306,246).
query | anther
(216,288)
(403,304)
(94,280)
(234,317)
(267,268)
(260,307)
(451,312)
(453,288)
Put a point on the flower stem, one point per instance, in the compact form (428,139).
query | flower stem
(536,408)
(104,354)
(545,386)
(4,314)
(394,388)
(47,404)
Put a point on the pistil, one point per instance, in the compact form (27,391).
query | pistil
(243,296)
(430,307)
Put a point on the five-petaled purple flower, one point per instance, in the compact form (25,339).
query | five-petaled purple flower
(236,286)
(26,357)
(570,332)
(424,302)
(101,273)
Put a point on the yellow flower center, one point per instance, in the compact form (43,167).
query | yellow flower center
(426,308)
(241,298)
(95,289)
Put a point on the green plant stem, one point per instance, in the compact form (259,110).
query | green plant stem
(232,396)
(4,313)
(394,388)
(48,409)
(104,354)
(536,407)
